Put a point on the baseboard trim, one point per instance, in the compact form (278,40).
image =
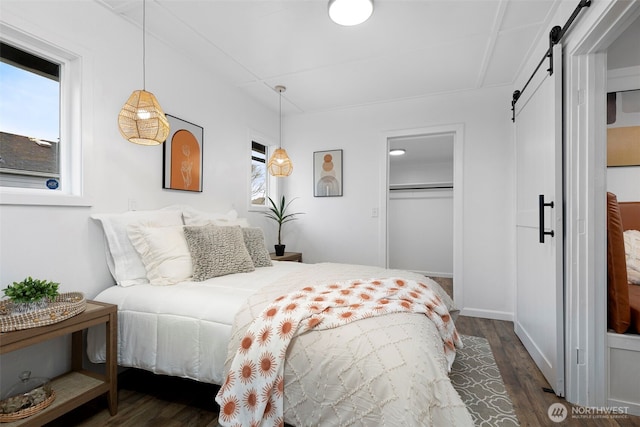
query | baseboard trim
(631,408)
(438,274)
(434,274)
(487,314)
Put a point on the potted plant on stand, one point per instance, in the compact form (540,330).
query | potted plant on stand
(31,294)
(279,214)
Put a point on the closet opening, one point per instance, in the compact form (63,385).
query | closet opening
(420,211)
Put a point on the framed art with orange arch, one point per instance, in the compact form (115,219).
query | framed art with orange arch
(183,156)
(327,173)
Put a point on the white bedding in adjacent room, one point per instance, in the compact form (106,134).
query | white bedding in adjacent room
(162,326)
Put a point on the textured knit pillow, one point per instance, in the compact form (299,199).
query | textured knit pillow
(217,251)
(254,241)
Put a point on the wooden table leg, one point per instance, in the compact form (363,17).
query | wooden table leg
(76,351)
(112,362)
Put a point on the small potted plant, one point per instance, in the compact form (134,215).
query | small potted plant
(279,214)
(31,294)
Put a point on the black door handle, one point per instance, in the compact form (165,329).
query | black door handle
(541,206)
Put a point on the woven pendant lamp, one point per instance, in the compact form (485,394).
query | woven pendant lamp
(141,119)
(280,164)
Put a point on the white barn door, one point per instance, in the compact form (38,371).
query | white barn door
(539,316)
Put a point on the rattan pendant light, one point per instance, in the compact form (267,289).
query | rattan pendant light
(280,164)
(141,119)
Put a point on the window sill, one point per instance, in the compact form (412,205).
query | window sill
(41,198)
(261,209)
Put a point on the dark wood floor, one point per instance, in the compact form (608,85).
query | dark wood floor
(147,400)
(523,380)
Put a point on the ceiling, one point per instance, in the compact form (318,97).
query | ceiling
(423,149)
(407,49)
(624,51)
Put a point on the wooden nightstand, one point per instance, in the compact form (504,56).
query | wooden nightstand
(77,386)
(288,256)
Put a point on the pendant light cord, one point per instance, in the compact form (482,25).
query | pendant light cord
(144,43)
(280,118)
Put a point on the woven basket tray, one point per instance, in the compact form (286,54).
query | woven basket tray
(24,413)
(65,306)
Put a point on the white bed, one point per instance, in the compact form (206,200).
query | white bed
(382,370)
(181,330)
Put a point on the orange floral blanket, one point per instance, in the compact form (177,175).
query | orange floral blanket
(252,394)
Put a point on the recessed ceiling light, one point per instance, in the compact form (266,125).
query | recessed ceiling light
(397,152)
(350,12)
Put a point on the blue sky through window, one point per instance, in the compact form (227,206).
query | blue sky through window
(29,104)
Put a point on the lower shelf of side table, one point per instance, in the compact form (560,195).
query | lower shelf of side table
(72,389)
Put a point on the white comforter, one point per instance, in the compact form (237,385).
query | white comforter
(181,330)
(386,370)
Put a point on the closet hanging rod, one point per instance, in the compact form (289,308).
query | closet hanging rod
(420,187)
(555,35)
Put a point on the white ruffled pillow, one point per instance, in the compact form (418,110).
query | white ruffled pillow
(164,253)
(632,253)
(123,260)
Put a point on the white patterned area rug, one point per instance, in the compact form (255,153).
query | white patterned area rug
(476,377)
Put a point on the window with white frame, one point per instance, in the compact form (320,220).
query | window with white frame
(41,104)
(259,175)
(29,120)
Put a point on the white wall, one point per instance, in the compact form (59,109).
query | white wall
(343,229)
(623,181)
(420,221)
(420,231)
(65,245)
(62,243)
(421,173)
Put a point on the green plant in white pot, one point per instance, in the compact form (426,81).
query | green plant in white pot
(278,213)
(31,294)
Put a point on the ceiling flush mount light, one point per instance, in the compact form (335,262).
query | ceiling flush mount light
(141,119)
(280,164)
(350,12)
(397,152)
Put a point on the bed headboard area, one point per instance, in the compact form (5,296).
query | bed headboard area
(630,215)
(623,299)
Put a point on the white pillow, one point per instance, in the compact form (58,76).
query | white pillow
(632,254)
(123,260)
(230,219)
(164,253)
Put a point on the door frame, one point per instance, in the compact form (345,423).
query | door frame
(585,188)
(457,130)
